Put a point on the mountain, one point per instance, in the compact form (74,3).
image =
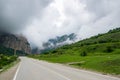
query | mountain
(101,43)
(11,42)
(56,42)
(98,53)
(59,40)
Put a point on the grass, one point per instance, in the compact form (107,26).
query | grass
(107,63)
(6,67)
(6,61)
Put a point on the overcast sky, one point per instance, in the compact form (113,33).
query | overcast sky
(40,20)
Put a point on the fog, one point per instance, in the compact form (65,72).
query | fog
(40,20)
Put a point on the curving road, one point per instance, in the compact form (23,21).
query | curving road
(31,69)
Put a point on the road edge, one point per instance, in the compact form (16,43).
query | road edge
(16,73)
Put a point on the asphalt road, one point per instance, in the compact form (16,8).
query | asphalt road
(31,69)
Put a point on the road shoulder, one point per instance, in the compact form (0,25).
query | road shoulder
(9,73)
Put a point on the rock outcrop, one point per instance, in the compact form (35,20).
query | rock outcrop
(15,42)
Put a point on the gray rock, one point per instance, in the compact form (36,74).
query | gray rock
(17,42)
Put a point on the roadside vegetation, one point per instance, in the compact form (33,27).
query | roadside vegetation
(6,60)
(99,53)
(8,57)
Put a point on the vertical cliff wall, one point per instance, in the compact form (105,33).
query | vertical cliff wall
(16,42)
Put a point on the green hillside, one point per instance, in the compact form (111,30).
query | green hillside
(100,53)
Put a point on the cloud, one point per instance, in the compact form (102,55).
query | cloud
(16,14)
(59,18)
(106,17)
(40,20)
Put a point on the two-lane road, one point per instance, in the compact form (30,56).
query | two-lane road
(31,69)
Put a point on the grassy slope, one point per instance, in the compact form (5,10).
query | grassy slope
(99,53)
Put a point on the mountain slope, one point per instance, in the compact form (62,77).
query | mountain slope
(56,42)
(10,42)
(100,53)
(99,43)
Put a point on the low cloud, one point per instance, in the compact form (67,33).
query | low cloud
(40,20)
(16,14)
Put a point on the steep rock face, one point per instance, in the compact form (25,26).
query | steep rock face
(16,42)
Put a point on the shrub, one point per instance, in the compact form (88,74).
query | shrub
(5,60)
(83,53)
(109,49)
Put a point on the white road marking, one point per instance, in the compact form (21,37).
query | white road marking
(54,72)
(17,72)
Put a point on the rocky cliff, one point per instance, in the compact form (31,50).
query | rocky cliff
(15,42)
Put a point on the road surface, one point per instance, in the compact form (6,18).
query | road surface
(31,69)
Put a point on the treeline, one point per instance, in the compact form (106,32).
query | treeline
(11,52)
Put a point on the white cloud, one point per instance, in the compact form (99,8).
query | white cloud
(59,18)
(106,17)
(45,19)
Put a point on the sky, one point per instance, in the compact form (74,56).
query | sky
(40,20)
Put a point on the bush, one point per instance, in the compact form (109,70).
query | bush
(109,49)
(83,53)
(6,60)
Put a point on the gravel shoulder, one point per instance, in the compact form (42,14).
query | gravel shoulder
(9,73)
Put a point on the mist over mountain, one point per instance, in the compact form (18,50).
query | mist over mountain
(41,20)
(56,42)
(17,44)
